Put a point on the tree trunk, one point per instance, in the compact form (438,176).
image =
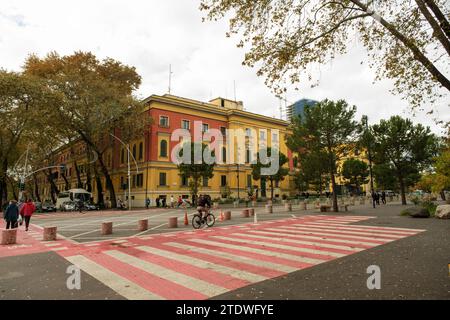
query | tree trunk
(13,189)
(443,22)
(109,183)
(77,171)
(66,182)
(53,188)
(3,185)
(271,189)
(36,189)
(417,54)
(402,188)
(333,188)
(98,181)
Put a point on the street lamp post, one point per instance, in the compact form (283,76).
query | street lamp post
(366,122)
(127,146)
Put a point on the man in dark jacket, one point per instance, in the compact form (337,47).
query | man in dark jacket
(11,214)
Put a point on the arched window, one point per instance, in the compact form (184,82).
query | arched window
(134,151)
(224,154)
(141,150)
(163,148)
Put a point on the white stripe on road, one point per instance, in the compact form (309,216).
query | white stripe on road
(122,286)
(259,251)
(195,284)
(318,236)
(357,228)
(233,257)
(317,244)
(281,246)
(345,232)
(243,275)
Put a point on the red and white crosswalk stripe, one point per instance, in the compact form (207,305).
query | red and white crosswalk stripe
(200,265)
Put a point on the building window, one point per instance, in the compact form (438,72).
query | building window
(164,121)
(162,179)
(122,156)
(139,180)
(277,184)
(249,180)
(224,154)
(274,137)
(141,150)
(163,148)
(185,124)
(247,156)
(248,132)
(262,135)
(184,181)
(223,181)
(205,127)
(134,151)
(223,131)
(205,182)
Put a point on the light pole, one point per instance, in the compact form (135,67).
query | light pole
(366,123)
(129,169)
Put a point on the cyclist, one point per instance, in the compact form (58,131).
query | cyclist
(204,204)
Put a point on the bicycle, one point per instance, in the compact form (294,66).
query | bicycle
(198,221)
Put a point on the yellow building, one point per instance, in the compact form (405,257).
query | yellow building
(157,175)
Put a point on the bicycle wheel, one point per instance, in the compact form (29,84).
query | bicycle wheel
(197,221)
(210,220)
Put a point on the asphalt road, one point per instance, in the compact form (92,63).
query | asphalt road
(416,267)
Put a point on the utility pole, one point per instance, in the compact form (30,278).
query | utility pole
(170,78)
(366,121)
(129,178)
(23,175)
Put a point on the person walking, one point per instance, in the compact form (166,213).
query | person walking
(383,197)
(172,201)
(11,214)
(147,203)
(374,199)
(27,211)
(378,198)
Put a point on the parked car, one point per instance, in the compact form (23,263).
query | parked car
(390,193)
(91,207)
(68,206)
(48,207)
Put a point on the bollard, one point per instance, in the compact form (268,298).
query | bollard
(253,203)
(245,213)
(107,228)
(227,215)
(269,208)
(9,236)
(49,233)
(251,212)
(143,225)
(173,222)
(304,205)
(288,206)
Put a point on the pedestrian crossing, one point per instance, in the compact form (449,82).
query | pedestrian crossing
(206,263)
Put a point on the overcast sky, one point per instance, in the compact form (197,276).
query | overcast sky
(151,34)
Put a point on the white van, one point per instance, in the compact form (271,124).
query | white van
(71,195)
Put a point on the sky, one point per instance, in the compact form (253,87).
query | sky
(153,34)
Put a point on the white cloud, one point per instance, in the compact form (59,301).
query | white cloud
(150,35)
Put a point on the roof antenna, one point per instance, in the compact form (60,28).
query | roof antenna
(170,77)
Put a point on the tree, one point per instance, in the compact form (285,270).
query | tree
(441,164)
(355,172)
(312,173)
(385,177)
(22,100)
(280,173)
(96,99)
(329,128)
(406,41)
(195,171)
(408,148)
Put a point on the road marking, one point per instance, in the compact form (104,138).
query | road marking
(357,228)
(122,286)
(198,285)
(383,236)
(260,251)
(240,259)
(317,244)
(281,246)
(243,275)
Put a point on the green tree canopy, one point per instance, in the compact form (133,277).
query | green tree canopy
(329,128)
(257,168)
(355,172)
(408,148)
(406,41)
